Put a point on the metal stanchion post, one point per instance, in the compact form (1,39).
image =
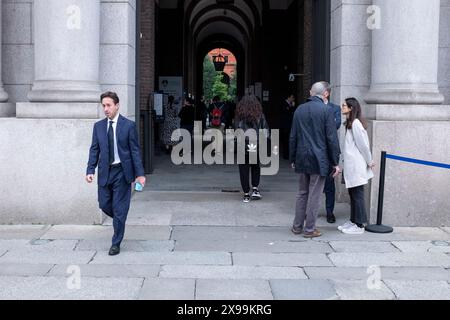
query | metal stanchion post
(379,227)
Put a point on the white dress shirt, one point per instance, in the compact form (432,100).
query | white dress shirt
(116,151)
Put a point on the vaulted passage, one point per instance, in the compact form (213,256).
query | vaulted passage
(270,39)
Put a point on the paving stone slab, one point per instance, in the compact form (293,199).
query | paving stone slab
(109,271)
(349,273)
(423,246)
(281,259)
(399,234)
(139,219)
(303,290)
(46,257)
(24,269)
(359,290)
(168,289)
(26,232)
(203,218)
(420,290)
(300,246)
(56,288)
(205,233)
(127,245)
(415,273)
(106,232)
(78,232)
(38,245)
(233,290)
(394,273)
(163,258)
(390,259)
(363,246)
(231,272)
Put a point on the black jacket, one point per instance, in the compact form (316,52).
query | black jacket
(314,141)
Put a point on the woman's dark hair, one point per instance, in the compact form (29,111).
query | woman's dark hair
(111,95)
(356,113)
(249,109)
(171,99)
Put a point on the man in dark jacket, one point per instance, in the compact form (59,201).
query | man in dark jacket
(330,187)
(287,115)
(314,149)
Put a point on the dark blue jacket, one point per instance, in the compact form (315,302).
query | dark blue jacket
(127,145)
(314,141)
(337,114)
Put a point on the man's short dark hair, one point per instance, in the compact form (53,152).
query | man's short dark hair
(111,95)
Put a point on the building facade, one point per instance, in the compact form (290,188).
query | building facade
(57,56)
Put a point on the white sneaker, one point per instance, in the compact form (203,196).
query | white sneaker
(256,195)
(346,225)
(353,230)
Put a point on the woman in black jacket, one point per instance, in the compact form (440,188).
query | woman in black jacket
(249,115)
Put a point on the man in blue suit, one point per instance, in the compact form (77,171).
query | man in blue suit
(330,187)
(115,150)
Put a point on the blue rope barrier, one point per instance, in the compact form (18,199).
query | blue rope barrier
(421,162)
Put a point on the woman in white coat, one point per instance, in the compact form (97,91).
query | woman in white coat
(358,165)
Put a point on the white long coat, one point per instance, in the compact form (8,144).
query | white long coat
(357,156)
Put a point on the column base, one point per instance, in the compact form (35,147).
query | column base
(42,172)
(63,96)
(7,110)
(400,96)
(59,110)
(403,112)
(415,195)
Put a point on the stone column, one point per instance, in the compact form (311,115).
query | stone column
(407,116)
(6,109)
(405,53)
(3,94)
(67,50)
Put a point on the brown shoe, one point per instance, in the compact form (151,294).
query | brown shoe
(296,231)
(315,234)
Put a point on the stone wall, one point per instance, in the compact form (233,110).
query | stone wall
(17,55)
(444,51)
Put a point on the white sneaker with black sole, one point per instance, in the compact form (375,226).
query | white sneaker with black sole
(353,230)
(346,225)
(256,195)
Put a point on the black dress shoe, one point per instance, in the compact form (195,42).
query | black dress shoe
(115,250)
(331,218)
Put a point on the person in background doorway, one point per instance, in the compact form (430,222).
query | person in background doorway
(287,115)
(187,115)
(202,112)
(170,123)
(330,187)
(249,115)
(358,165)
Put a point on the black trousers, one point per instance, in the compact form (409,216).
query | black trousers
(114,199)
(244,172)
(357,204)
(330,195)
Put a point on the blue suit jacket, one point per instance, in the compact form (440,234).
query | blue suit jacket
(127,145)
(337,114)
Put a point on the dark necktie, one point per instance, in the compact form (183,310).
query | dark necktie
(111,142)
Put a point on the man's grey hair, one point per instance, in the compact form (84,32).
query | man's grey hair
(318,90)
(327,86)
